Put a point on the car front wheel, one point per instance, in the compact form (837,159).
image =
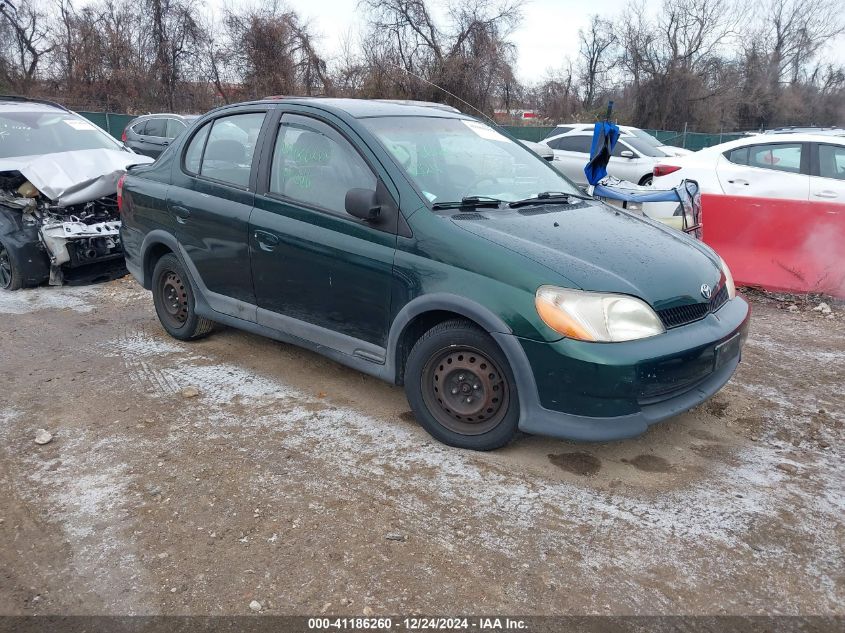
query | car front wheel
(461,388)
(10,277)
(174,301)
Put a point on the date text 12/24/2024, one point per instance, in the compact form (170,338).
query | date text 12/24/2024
(418,624)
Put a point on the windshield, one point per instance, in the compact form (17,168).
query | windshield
(452,159)
(646,137)
(33,133)
(644,147)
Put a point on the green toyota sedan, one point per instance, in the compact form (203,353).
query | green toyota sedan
(424,247)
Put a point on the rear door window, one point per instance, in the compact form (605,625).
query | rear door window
(223,149)
(156,127)
(138,128)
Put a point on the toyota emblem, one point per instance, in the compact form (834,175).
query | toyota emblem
(706,291)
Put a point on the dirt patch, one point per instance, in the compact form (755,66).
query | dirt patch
(298,483)
(649,463)
(578,463)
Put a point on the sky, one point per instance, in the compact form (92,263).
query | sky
(547,34)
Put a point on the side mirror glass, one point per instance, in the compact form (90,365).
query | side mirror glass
(363,203)
(626,153)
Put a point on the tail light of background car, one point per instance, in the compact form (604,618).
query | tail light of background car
(120,193)
(123,136)
(663,170)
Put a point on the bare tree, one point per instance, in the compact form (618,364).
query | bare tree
(30,41)
(597,56)
(270,51)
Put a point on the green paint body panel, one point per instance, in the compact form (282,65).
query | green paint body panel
(349,289)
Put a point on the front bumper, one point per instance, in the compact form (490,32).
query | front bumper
(599,391)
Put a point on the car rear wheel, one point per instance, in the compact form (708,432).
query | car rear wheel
(10,277)
(461,388)
(174,301)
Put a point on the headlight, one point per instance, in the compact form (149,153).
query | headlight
(596,316)
(729,279)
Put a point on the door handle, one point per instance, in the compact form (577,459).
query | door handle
(182,214)
(266,240)
(739,181)
(826,194)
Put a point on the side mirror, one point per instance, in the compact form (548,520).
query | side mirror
(626,153)
(363,203)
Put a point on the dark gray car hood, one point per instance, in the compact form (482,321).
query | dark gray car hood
(599,248)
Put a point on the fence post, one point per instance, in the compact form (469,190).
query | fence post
(684,142)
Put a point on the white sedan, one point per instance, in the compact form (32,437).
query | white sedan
(772,205)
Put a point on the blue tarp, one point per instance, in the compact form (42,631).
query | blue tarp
(605,135)
(661,195)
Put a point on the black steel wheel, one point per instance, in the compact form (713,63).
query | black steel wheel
(464,390)
(461,388)
(174,301)
(10,278)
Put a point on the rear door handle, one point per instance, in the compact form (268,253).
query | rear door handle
(826,194)
(182,214)
(739,181)
(266,240)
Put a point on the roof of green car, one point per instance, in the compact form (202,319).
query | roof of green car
(365,108)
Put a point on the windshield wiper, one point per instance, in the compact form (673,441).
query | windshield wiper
(472,202)
(549,197)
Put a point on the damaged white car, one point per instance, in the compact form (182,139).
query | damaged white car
(59,218)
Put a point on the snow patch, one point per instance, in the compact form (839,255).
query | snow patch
(47,298)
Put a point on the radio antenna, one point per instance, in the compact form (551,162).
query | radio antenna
(451,94)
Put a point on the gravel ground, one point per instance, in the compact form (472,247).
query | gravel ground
(198,478)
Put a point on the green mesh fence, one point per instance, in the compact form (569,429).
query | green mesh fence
(114,124)
(111,122)
(691,140)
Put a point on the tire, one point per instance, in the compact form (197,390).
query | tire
(480,410)
(173,297)
(646,180)
(10,275)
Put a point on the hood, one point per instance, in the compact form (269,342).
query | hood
(69,178)
(599,248)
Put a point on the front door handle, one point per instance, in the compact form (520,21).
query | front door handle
(826,194)
(182,214)
(266,240)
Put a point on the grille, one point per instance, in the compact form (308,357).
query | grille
(719,298)
(681,315)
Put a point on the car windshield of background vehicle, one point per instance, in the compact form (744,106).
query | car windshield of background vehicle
(643,147)
(646,137)
(450,159)
(36,133)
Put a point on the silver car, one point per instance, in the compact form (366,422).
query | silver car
(152,133)
(633,159)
